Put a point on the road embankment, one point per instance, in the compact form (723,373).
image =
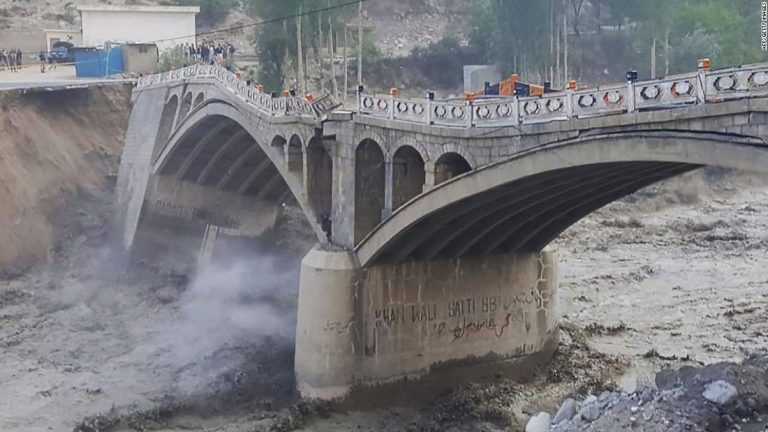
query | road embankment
(53,146)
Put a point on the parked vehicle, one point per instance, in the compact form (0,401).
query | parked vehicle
(62,52)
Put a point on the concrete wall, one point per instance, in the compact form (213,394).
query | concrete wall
(418,316)
(187,201)
(475,76)
(140,59)
(136,162)
(380,324)
(138,25)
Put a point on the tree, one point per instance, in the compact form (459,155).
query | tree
(212,12)
(513,33)
(280,44)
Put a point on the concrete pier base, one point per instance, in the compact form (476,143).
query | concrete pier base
(452,319)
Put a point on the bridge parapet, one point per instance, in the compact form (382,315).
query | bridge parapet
(264,102)
(674,91)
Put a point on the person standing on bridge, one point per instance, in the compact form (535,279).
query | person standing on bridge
(41,56)
(18,59)
(12,60)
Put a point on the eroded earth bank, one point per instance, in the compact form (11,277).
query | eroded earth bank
(672,278)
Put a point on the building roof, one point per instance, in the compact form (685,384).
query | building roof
(134,8)
(62,30)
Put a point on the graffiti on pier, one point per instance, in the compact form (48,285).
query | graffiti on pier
(460,318)
(405,314)
(470,327)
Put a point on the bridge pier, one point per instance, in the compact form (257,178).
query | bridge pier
(361,327)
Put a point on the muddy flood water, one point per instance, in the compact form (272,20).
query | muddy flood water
(673,276)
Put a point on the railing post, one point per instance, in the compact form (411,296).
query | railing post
(569,103)
(701,86)
(471,114)
(430,106)
(360,99)
(701,83)
(391,107)
(630,96)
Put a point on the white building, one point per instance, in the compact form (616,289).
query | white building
(54,36)
(166,26)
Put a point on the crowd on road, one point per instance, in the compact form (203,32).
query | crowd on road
(11,60)
(210,53)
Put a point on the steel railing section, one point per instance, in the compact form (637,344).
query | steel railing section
(276,107)
(670,92)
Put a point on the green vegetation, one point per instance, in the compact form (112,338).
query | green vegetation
(604,38)
(522,35)
(173,58)
(212,12)
(278,41)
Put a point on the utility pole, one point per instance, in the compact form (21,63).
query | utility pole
(320,43)
(565,46)
(300,74)
(548,64)
(331,53)
(360,43)
(653,58)
(558,83)
(346,66)
(666,53)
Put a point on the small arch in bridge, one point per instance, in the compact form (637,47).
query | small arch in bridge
(450,165)
(278,144)
(320,181)
(369,187)
(199,99)
(166,124)
(408,175)
(186,105)
(295,155)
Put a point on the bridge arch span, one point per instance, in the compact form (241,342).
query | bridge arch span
(199,99)
(410,141)
(523,203)
(220,146)
(295,155)
(450,165)
(186,105)
(408,175)
(167,120)
(370,186)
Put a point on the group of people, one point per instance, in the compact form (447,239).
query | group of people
(11,60)
(210,53)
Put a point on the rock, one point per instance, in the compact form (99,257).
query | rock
(720,392)
(590,413)
(538,423)
(628,383)
(590,399)
(566,412)
(702,226)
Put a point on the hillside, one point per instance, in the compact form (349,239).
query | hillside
(400,25)
(55,147)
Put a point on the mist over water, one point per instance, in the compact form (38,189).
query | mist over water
(232,311)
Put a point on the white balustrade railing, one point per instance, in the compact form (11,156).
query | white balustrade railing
(272,106)
(663,93)
(674,91)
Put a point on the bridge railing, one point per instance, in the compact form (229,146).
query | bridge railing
(264,102)
(663,93)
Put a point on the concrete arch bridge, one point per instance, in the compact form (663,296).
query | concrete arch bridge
(432,218)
